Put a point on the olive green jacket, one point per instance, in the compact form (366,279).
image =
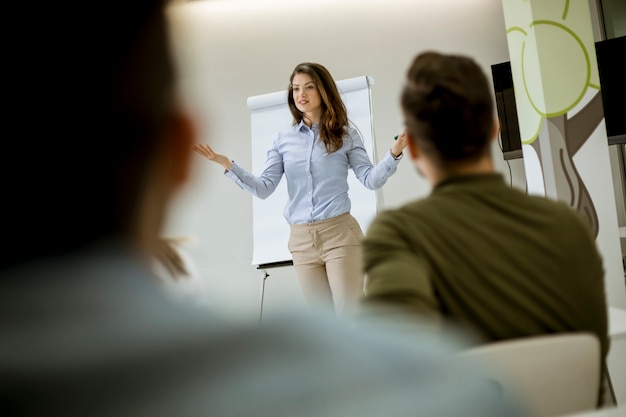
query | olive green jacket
(483,255)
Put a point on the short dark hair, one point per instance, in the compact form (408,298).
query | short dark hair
(448,107)
(91,85)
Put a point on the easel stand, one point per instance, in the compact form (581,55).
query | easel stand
(262,268)
(263,278)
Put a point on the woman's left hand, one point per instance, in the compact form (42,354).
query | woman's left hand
(399,144)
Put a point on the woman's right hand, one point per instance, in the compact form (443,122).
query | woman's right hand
(208,152)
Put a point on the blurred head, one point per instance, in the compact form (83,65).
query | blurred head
(102,145)
(333,113)
(448,109)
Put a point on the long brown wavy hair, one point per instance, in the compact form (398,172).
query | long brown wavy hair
(333,124)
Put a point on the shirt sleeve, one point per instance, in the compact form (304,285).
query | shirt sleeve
(395,277)
(265,184)
(370,175)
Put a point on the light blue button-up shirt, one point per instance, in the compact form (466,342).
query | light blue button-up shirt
(317,182)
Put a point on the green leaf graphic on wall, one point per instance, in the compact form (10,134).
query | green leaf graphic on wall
(553,63)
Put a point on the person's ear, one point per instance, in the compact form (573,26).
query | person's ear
(496,129)
(411,144)
(181,135)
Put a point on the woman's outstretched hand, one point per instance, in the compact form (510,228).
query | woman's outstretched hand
(208,152)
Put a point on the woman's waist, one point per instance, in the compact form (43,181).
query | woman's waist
(326,222)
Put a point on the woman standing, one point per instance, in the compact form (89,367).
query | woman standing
(315,155)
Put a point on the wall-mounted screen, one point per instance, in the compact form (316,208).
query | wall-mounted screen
(510,138)
(612,73)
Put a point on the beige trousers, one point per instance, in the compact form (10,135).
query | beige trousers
(327,259)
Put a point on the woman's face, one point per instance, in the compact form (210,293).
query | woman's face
(306,96)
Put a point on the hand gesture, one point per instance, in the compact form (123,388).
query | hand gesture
(399,143)
(208,152)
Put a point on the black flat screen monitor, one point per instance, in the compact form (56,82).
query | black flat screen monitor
(507,111)
(611,54)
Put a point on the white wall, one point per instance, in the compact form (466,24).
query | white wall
(229,50)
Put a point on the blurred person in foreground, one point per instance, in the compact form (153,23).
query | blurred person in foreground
(85,329)
(476,253)
(178,274)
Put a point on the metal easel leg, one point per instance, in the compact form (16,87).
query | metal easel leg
(263,278)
